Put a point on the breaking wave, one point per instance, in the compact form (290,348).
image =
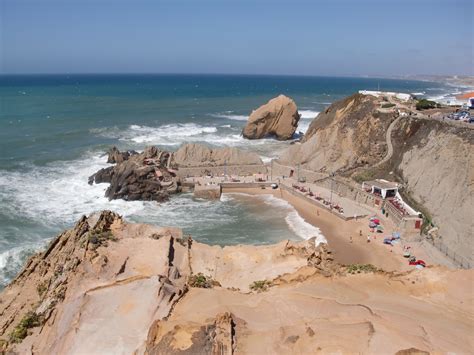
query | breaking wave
(230,116)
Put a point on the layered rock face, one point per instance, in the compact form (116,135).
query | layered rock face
(278,117)
(144,176)
(198,155)
(348,134)
(436,165)
(107,286)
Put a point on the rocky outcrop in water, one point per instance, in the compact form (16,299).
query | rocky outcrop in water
(146,176)
(107,286)
(278,117)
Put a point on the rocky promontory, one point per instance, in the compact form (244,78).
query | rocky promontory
(154,174)
(278,117)
(108,286)
(146,176)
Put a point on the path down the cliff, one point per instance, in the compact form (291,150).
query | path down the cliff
(388,139)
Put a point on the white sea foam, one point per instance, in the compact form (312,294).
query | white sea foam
(171,134)
(296,223)
(12,259)
(308,114)
(230,116)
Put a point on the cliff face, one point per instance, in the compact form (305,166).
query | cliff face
(107,286)
(432,159)
(348,134)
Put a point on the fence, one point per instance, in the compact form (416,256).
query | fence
(459,260)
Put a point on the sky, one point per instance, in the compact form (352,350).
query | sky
(293,37)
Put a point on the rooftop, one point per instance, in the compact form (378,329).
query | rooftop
(383,184)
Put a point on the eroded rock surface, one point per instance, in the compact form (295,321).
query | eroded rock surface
(145,176)
(107,286)
(278,117)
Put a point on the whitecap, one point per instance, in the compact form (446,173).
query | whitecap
(230,116)
(308,114)
(295,222)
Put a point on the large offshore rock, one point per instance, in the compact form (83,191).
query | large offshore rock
(278,117)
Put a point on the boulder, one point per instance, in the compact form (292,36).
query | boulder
(115,156)
(278,117)
(210,192)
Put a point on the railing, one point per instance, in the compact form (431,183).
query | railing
(457,259)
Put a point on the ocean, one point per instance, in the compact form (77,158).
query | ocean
(55,129)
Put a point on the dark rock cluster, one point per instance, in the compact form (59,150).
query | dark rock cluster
(147,176)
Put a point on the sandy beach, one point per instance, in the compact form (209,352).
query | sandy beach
(338,232)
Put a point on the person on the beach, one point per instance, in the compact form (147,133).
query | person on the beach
(350,239)
(368,239)
(360,233)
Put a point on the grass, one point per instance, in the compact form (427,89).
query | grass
(364,176)
(361,268)
(202,281)
(424,104)
(388,105)
(97,239)
(20,332)
(42,288)
(260,286)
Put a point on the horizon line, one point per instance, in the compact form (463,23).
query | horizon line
(417,77)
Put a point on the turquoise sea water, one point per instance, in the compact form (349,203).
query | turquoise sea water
(55,129)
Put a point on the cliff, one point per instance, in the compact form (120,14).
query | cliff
(107,286)
(348,134)
(362,138)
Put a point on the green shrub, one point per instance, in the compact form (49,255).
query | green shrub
(97,239)
(388,105)
(365,175)
(260,286)
(42,288)
(201,281)
(425,104)
(20,332)
(359,268)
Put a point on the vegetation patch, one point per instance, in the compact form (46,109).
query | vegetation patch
(365,175)
(260,286)
(388,105)
(361,268)
(42,288)
(425,104)
(20,332)
(202,281)
(96,239)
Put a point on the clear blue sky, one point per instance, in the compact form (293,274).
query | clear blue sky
(351,37)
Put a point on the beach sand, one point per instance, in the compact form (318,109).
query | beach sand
(338,232)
